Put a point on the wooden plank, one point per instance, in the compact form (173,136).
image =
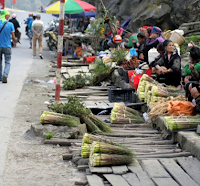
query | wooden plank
(172,155)
(132,179)
(94,180)
(177,172)
(101,170)
(116,180)
(155,169)
(142,175)
(165,181)
(191,166)
(120,169)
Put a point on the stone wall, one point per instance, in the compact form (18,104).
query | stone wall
(167,14)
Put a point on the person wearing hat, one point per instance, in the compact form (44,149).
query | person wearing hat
(37,29)
(152,41)
(7,30)
(92,19)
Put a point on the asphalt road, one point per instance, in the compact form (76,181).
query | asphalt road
(9,93)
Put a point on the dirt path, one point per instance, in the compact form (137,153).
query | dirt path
(29,162)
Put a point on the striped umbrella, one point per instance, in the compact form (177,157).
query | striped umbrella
(71,7)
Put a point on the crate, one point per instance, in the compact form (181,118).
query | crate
(125,73)
(120,95)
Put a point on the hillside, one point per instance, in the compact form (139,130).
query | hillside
(32,5)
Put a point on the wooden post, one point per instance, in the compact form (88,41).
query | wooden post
(60,49)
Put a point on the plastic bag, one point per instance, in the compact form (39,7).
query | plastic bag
(177,108)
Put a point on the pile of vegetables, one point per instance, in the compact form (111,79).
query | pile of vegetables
(102,152)
(75,107)
(151,91)
(124,115)
(132,63)
(183,122)
(101,72)
(119,55)
(75,82)
(59,119)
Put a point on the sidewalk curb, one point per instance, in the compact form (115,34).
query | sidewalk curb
(189,141)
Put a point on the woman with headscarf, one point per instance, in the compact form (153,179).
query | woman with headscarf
(168,68)
(152,41)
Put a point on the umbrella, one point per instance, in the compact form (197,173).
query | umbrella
(71,7)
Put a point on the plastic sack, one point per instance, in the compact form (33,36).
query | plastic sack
(177,108)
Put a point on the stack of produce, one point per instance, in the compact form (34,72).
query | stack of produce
(124,115)
(88,139)
(75,107)
(142,89)
(103,154)
(178,123)
(160,107)
(59,119)
(150,90)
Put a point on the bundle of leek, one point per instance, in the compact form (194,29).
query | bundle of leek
(124,115)
(85,150)
(98,159)
(101,147)
(159,91)
(59,119)
(178,123)
(89,139)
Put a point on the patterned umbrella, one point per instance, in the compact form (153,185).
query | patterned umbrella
(71,7)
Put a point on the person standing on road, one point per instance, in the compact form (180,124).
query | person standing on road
(30,31)
(16,26)
(37,29)
(7,29)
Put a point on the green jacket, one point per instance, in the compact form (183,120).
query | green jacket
(187,70)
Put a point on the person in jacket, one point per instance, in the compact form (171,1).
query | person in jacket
(7,30)
(168,67)
(16,26)
(194,61)
(152,41)
(37,29)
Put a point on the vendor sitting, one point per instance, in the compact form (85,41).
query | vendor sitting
(169,66)
(194,62)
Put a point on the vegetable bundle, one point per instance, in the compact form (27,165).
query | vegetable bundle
(109,159)
(85,150)
(101,147)
(102,152)
(177,123)
(124,115)
(59,119)
(75,107)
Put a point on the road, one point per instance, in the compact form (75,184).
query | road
(9,93)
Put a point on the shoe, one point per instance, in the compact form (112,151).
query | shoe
(41,57)
(30,47)
(19,42)
(34,57)
(4,80)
